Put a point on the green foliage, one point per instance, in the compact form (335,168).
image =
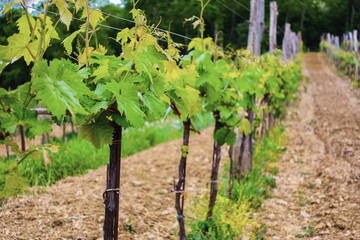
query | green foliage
(308,232)
(59,87)
(225,135)
(233,216)
(11,180)
(231,219)
(98,133)
(344,60)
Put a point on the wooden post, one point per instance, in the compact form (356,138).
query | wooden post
(243,154)
(286,43)
(356,50)
(351,41)
(345,42)
(337,48)
(273,26)
(260,26)
(112,192)
(299,40)
(328,40)
(252,22)
(293,45)
(256,26)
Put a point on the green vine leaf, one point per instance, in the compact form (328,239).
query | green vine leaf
(127,99)
(244,126)
(59,87)
(99,133)
(9,6)
(225,135)
(65,14)
(154,104)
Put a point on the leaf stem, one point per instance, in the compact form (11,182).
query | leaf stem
(23,158)
(28,18)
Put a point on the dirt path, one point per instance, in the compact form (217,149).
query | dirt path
(318,184)
(73,208)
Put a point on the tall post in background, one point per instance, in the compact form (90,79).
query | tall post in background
(351,41)
(293,45)
(337,49)
(299,38)
(286,43)
(243,149)
(273,25)
(356,50)
(256,26)
(252,22)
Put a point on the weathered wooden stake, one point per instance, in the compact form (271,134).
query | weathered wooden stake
(273,26)
(356,50)
(299,38)
(180,184)
(286,43)
(242,153)
(337,48)
(112,192)
(293,45)
(256,26)
(351,41)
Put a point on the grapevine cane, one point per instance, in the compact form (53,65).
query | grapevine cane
(214,169)
(112,192)
(180,185)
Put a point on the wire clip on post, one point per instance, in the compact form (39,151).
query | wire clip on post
(116,190)
(175,191)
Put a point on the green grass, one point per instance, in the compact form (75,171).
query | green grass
(234,217)
(81,155)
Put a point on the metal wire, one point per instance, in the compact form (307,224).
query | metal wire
(131,21)
(230,9)
(102,25)
(242,5)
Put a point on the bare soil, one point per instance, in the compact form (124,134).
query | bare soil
(73,208)
(318,184)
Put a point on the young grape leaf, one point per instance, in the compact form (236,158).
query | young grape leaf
(154,104)
(18,47)
(59,87)
(9,6)
(225,135)
(95,16)
(65,14)
(244,126)
(68,41)
(8,123)
(23,24)
(127,101)
(99,133)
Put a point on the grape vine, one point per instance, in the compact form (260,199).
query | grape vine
(105,94)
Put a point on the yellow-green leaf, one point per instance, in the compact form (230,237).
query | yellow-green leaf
(65,14)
